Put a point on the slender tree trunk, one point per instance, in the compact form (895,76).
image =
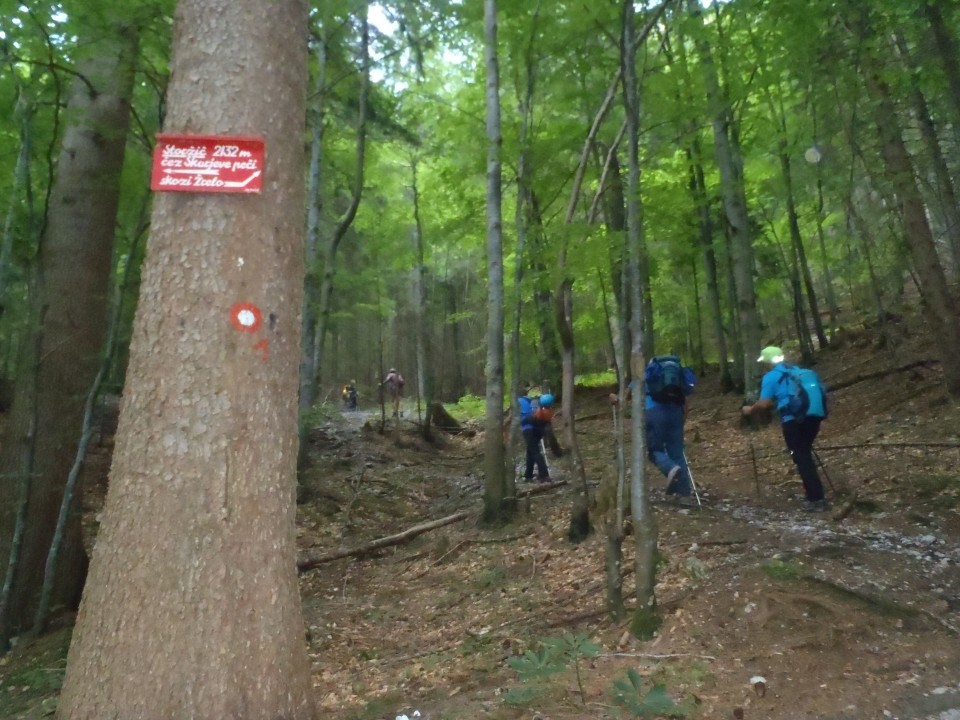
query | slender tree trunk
(799,252)
(330,254)
(497,507)
(580,513)
(646,619)
(311,289)
(941,307)
(731,180)
(73,299)
(949,204)
(946,45)
(523,214)
(698,189)
(424,367)
(194,580)
(821,236)
(23,114)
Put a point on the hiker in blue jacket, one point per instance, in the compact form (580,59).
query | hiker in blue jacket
(535,416)
(799,433)
(666,386)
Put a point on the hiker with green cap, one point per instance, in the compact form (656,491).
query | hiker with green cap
(799,398)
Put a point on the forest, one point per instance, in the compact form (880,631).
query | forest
(484,196)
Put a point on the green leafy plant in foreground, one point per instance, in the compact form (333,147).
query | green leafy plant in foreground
(554,656)
(656,702)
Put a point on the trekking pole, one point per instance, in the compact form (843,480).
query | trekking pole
(823,470)
(543,452)
(692,483)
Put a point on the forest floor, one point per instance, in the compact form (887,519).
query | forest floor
(846,615)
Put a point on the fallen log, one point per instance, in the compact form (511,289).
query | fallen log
(312,561)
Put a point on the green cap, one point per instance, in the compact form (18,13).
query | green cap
(771,354)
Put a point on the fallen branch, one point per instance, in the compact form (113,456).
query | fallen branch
(462,544)
(881,373)
(312,561)
(889,445)
(541,488)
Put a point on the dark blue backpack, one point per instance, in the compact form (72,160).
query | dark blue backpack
(666,380)
(806,396)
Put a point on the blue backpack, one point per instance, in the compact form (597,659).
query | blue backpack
(528,406)
(667,381)
(806,396)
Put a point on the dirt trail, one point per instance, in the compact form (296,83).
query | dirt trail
(844,619)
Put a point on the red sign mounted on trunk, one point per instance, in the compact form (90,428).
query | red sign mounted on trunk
(207,163)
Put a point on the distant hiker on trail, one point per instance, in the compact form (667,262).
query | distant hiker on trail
(392,385)
(535,418)
(800,400)
(349,395)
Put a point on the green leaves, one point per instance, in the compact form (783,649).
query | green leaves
(537,665)
(629,694)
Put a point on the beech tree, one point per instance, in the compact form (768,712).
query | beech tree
(191,608)
(495,502)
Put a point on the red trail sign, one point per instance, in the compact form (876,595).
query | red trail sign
(207,163)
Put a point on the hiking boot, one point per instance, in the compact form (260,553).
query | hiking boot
(547,479)
(685,501)
(817,506)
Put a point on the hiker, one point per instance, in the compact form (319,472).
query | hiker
(393,385)
(667,383)
(350,396)
(799,398)
(535,418)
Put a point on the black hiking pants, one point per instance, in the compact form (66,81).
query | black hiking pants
(533,436)
(800,437)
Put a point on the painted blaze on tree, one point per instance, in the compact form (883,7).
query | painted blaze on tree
(192,608)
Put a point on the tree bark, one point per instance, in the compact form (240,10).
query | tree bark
(646,619)
(497,506)
(193,581)
(735,203)
(72,301)
(949,205)
(941,307)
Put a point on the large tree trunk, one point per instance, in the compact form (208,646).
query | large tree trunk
(193,581)
(72,308)
(496,506)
